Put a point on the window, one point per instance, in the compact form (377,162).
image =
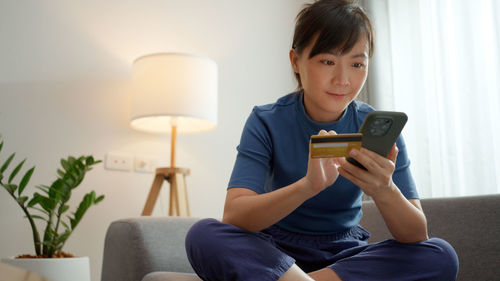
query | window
(439,61)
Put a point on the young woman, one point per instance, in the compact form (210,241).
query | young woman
(290,217)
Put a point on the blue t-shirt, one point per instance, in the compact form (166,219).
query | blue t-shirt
(273,153)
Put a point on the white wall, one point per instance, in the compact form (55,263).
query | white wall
(64,90)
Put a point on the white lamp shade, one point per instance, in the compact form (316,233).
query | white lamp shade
(176,89)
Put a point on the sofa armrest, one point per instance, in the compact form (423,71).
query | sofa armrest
(137,246)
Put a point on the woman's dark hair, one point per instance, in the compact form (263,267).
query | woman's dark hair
(339,23)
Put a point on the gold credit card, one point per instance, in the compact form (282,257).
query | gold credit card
(334,145)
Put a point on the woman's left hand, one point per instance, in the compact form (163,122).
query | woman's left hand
(376,180)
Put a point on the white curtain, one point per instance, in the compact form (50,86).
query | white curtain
(439,61)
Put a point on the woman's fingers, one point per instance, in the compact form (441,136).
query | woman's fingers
(325,133)
(364,158)
(393,154)
(346,172)
(353,171)
(372,160)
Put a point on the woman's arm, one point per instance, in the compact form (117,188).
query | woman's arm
(404,218)
(249,210)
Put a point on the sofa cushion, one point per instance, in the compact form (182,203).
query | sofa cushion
(171,276)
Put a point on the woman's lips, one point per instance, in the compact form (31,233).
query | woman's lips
(335,95)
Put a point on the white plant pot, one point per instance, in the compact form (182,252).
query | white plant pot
(56,269)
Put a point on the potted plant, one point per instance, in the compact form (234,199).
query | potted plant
(50,206)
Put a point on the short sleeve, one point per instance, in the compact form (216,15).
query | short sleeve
(253,161)
(402,175)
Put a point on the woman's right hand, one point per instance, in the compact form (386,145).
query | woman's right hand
(321,172)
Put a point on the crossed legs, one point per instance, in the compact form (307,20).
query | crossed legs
(220,251)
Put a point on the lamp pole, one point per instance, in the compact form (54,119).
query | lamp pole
(172,141)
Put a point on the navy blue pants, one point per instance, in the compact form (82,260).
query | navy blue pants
(219,251)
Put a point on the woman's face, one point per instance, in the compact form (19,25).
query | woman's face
(330,80)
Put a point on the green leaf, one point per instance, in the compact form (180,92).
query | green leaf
(89,161)
(47,204)
(43,188)
(16,170)
(34,200)
(99,199)
(57,190)
(65,164)
(22,200)
(25,180)
(1,145)
(92,197)
(69,182)
(60,173)
(11,188)
(78,164)
(7,163)
(66,226)
(41,211)
(72,175)
(62,189)
(39,217)
(63,209)
(63,237)
(82,208)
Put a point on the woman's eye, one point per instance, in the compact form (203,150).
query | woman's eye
(327,62)
(358,65)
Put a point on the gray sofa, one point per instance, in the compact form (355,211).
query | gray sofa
(152,249)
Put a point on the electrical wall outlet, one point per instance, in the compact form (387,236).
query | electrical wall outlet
(120,162)
(145,164)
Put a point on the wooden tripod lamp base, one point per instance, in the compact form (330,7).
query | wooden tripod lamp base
(179,205)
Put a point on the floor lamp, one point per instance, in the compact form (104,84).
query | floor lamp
(173,94)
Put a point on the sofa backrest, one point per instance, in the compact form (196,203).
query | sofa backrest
(470,224)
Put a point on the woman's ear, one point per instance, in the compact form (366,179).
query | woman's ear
(293,60)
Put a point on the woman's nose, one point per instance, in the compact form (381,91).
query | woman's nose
(340,78)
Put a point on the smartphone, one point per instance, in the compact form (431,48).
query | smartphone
(380,131)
